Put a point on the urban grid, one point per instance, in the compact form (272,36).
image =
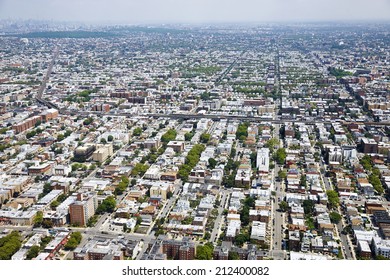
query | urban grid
(179,142)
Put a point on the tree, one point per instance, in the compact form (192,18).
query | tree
(33,252)
(253,158)
(205,137)
(212,163)
(280,155)
(71,244)
(60,137)
(241,239)
(233,256)
(54,204)
(366,162)
(192,159)
(67,133)
(283,205)
(107,206)
(375,181)
(110,138)
(335,217)
(38,123)
(103,141)
(47,223)
(139,169)
(88,121)
(205,252)
(73,241)
(137,131)
(333,198)
(38,219)
(170,135)
(282,174)
(9,245)
(242,131)
(308,207)
(272,143)
(381,258)
(188,136)
(133,182)
(139,220)
(233,153)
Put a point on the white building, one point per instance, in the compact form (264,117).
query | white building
(262,161)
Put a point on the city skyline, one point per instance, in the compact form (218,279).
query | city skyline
(201,11)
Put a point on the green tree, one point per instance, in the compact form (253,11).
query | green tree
(47,223)
(333,199)
(38,219)
(107,206)
(335,217)
(374,180)
(67,133)
(204,252)
(241,239)
(71,244)
(242,131)
(272,143)
(170,135)
(212,163)
(9,245)
(73,241)
(192,159)
(139,169)
(233,256)
(308,207)
(282,174)
(283,205)
(188,136)
(366,162)
(205,138)
(110,138)
(137,131)
(33,252)
(280,155)
(381,258)
(54,204)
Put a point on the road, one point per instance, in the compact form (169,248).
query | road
(47,76)
(217,224)
(346,244)
(278,217)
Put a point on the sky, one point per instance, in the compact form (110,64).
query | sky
(195,11)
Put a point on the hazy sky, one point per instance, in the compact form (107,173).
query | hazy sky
(195,11)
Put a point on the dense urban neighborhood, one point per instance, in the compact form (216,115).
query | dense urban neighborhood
(258,142)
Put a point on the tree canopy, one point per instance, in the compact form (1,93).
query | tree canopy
(33,252)
(73,241)
(280,155)
(9,245)
(191,161)
(205,137)
(333,198)
(170,135)
(335,217)
(107,206)
(137,131)
(205,252)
